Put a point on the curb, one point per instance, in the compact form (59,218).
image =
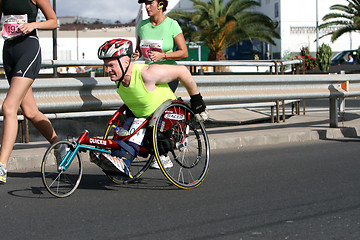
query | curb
(29,156)
(237,142)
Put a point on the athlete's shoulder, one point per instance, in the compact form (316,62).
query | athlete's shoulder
(139,66)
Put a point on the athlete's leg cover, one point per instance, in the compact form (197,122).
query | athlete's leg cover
(127,152)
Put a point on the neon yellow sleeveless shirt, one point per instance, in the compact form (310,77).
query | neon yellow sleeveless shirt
(139,100)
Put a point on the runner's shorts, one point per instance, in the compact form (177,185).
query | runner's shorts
(22,57)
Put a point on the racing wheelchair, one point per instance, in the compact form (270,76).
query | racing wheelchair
(171,130)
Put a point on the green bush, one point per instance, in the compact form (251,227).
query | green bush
(323,57)
(358,55)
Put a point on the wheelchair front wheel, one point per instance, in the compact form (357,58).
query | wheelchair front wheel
(59,182)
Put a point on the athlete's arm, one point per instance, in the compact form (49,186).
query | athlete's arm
(155,74)
(47,10)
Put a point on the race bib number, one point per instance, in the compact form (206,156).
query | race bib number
(139,136)
(11,26)
(147,46)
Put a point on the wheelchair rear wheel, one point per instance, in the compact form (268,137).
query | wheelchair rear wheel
(178,137)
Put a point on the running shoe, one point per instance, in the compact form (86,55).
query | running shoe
(3,173)
(119,163)
(165,161)
(60,153)
(118,177)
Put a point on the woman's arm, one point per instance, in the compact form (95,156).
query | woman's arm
(179,54)
(137,54)
(51,19)
(181,51)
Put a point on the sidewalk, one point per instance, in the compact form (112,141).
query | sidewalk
(297,128)
(234,128)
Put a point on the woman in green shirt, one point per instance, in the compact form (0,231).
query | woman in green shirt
(158,36)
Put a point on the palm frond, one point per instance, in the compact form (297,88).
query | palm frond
(346,19)
(221,25)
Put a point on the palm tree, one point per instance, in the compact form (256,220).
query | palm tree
(347,19)
(220,26)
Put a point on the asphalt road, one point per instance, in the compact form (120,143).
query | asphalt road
(308,191)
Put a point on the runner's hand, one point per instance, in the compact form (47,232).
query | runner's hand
(199,107)
(26,28)
(136,55)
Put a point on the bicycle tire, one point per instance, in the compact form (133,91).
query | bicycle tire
(189,149)
(61,183)
(139,165)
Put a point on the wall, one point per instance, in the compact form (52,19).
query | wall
(72,44)
(298,21)
(296,24)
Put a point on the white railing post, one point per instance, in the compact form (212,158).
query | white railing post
(333,113)
(342,105)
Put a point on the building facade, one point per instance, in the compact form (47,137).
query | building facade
(296,21)
(81,44)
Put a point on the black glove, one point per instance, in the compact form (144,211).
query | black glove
(198,106)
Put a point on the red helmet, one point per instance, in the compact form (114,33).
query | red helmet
(115,48)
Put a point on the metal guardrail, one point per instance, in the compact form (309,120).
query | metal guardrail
(266,63)
(62,95)
(274,66)
(69,96)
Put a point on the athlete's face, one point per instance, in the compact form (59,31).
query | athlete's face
(113,67)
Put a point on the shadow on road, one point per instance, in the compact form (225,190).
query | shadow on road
(96,182)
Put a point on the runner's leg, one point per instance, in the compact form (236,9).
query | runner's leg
(18,89)
(37,118)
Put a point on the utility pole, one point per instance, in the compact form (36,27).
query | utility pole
(77,37)
(54,35)
(317,26)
